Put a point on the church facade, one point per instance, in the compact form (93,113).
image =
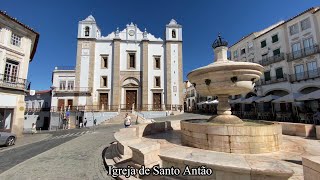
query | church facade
(128,68)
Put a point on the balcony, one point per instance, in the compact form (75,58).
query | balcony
(305,75)
(303,53)
(273,80)
(272,59)
(13,82)
(73,90)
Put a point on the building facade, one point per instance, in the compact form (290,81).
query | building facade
(37,110)
(289,52)
(18,44)
(128,68)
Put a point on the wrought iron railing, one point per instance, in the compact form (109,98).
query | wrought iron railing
(123,107)
(37,109)
(273,80)
(12,82)
(72,89)
(272,59)
(305,75)
(303,53)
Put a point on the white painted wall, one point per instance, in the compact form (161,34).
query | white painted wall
(174,73)
(155,49)
(124,48)
(8,100)
(61,76)
(102,48)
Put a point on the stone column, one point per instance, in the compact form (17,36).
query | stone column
(223,105)
(116,73)
(224,112)
(145,89)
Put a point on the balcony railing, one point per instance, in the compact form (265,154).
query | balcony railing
(64,68)
(73,89)
(12,82)
(303,53)
(273,80)
(37,109)
(305,75)
(123,107)
(272,59)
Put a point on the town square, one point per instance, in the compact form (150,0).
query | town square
(222,90)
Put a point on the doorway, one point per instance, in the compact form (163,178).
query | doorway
(103,100)
(46,123)
(156,101)
(131,97)
(60,104)
(70,103)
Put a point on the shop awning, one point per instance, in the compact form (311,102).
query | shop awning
(250,100)
(311,96)
(287,98)
(267,98)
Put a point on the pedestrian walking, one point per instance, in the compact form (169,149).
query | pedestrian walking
(85,122)
(95,122)
(33,128)
(127,121)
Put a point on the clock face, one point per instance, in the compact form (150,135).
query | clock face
(131,32)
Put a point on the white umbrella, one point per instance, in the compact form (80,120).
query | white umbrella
(203,102)
(250,100)
(235,101)
(213,102)
(267,98)
(311,96)
(287,98)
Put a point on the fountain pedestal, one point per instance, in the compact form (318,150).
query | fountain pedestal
(224,112)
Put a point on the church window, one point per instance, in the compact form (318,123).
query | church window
(104,62)
(104,81)
(157,81)
(87,31)
(173,33)
(157,63)
(132,60)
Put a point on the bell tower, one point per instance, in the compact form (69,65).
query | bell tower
(88,28)
(174,65)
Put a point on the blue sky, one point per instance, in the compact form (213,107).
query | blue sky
(202,20)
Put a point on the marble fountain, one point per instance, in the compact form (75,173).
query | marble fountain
(228,146)
(226,132)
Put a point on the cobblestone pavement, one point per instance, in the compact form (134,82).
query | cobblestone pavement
(26,139)
(78,158)
(182,117)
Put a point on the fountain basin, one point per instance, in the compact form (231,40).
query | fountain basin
(220,74)
(246,138)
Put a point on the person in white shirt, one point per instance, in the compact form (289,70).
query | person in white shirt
(127,121)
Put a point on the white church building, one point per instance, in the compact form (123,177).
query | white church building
(125,69)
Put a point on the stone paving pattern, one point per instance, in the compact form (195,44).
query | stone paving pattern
(80,158)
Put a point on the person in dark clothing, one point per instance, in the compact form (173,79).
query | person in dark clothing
(85,122)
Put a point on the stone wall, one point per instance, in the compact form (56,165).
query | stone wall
(232,138)
(311,167)
(298,129)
